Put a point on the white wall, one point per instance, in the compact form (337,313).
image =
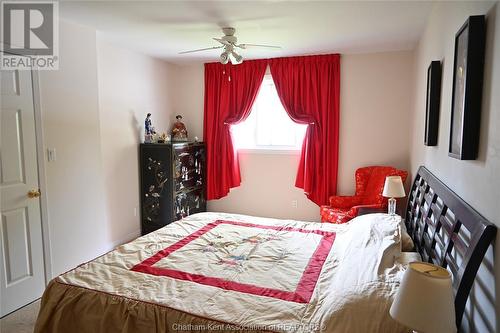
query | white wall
(267,189)
(376,92)
(69,105)
(93,110)
(189,93)
(130,86)
(477,182)
(375,110)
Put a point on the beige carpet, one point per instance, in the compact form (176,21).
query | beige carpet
(22,320)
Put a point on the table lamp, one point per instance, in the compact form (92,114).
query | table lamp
(424,301)
(393,188)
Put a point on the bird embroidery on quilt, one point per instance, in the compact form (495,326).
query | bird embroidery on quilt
(217,246)
(234,263)
(224,251)
(258,239)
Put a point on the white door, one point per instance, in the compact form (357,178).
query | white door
(21,249)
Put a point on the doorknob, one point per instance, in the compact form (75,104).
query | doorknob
(34,194)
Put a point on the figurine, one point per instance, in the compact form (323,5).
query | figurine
(149,130)
(148,125)
(163,138)
(179,131)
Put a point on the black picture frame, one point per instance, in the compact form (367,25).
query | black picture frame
(432,103)
(468,68)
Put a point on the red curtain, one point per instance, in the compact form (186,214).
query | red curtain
(230,91)
(309,89)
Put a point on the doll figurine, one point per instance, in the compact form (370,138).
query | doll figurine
(148,125)
(149,130)
(179,131)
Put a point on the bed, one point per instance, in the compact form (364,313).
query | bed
(214,272)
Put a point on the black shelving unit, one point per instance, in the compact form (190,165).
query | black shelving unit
(172,185)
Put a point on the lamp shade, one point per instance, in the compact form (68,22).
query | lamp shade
(424,301)
(393,187)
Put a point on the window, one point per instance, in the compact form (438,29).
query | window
(268,126)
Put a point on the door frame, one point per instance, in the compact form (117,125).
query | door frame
(42,177)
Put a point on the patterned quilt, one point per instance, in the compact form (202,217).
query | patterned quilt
(214,272)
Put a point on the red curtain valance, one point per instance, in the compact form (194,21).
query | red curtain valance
(308,88)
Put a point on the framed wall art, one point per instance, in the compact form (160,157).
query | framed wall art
(432,103)
(467,89)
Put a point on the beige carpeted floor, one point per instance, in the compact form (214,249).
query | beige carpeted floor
(22,320)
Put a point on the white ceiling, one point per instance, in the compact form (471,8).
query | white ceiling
(164,28)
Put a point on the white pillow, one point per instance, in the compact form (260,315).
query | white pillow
(406,240)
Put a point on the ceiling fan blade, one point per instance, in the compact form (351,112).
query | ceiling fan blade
(205,49)
(222,41)
(244,46)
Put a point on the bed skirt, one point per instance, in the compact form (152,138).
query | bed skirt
(67,308)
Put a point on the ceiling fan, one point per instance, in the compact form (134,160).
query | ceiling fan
(229,44)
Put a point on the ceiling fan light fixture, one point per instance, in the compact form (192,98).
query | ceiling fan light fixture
(224,57)
(238,59)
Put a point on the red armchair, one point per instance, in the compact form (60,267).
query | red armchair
(369,186)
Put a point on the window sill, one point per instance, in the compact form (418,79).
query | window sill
(268,151)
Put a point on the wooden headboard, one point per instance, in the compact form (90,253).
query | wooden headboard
(447,232)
